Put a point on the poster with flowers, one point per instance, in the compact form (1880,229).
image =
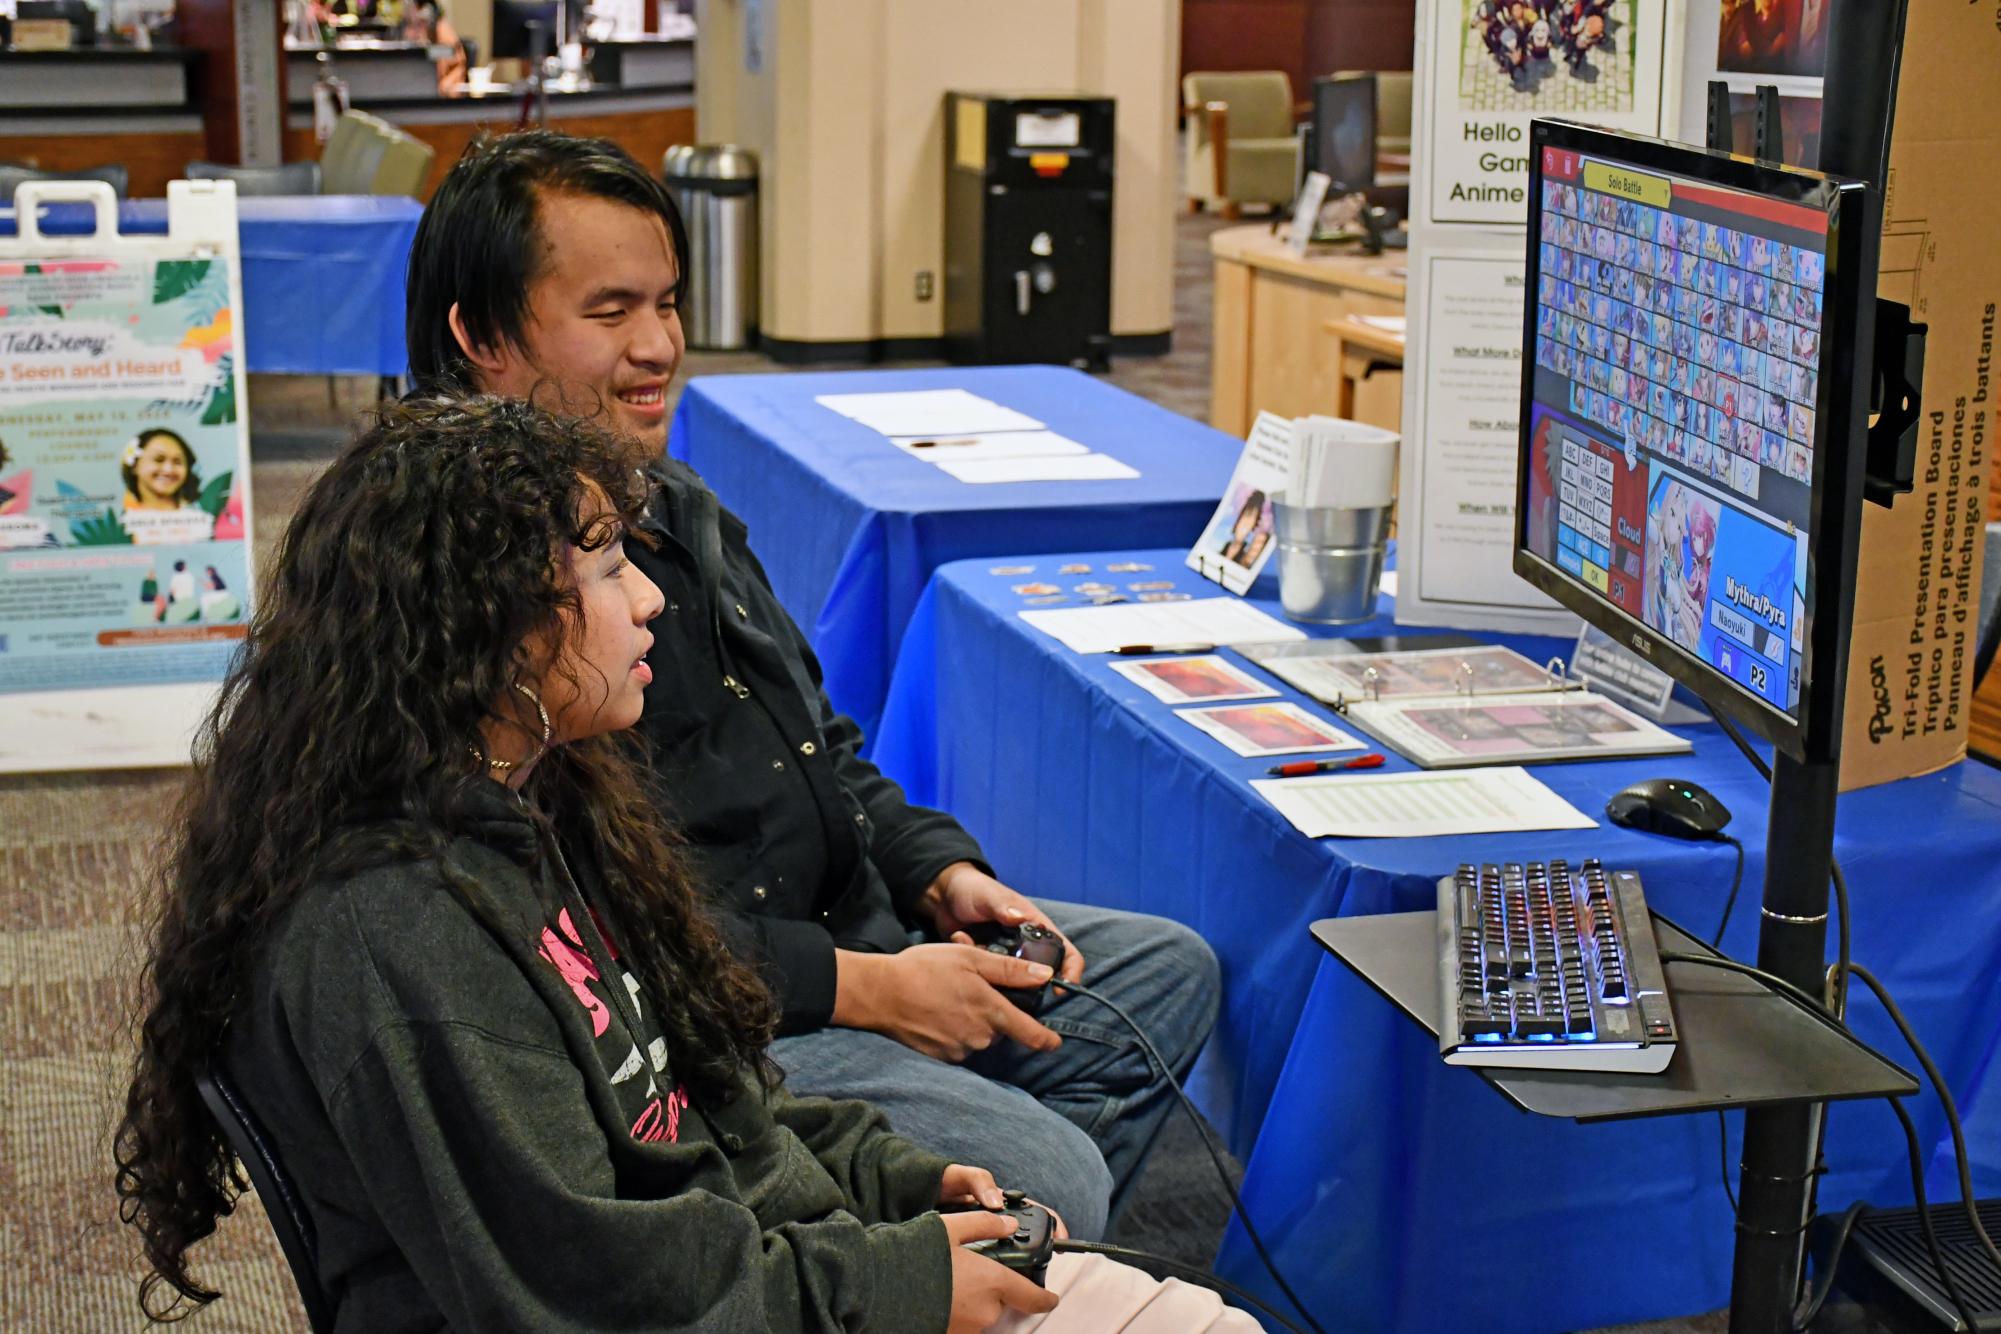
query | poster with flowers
(124,473)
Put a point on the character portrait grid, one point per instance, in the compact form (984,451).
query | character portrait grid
(1693,341)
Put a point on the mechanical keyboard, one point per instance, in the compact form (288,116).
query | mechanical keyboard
(1546,966)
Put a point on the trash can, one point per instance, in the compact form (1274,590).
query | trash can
(716,187)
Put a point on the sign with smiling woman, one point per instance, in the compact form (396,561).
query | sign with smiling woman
(124,478)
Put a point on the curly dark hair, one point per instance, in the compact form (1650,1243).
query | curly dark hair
(348,735)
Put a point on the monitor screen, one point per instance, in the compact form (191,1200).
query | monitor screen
(510,27)
(1672,406)
(1344,130)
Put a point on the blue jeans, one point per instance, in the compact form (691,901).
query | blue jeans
(1071,1127)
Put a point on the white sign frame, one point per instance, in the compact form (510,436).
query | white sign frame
(131,726)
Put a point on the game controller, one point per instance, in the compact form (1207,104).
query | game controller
(1033,1241)
(1031,941)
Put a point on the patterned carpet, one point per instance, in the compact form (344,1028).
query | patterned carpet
(75,851)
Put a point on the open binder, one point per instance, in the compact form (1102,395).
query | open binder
(1457,707)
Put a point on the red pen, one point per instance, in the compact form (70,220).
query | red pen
(1301,768)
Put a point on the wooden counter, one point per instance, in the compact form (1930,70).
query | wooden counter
(1370,384)
(646,122)
(1272,351)
(138,109)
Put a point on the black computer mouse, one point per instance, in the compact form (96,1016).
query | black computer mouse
(1671,806)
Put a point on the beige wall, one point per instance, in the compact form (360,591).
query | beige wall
(474,21)
(847,117)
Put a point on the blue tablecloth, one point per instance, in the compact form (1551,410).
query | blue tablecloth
(1399,1193)
(322,276)
(849,528)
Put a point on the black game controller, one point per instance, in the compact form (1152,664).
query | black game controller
(1031,941)
(1028,1250)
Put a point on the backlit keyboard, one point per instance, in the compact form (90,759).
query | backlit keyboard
(1549,966)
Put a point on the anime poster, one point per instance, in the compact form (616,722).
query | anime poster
(124,508)
(1486,68)
(1773,37)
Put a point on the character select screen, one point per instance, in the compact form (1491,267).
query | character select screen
(1677,364)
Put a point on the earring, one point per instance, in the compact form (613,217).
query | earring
(542,714)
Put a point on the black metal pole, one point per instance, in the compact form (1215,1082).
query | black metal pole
(1777,1163)
(1858,100)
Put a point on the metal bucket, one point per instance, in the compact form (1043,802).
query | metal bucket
(1330,562)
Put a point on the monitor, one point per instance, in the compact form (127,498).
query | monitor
(1689,479)
(510,28)
(1344,131)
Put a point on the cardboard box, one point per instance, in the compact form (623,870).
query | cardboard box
(43,35)
(1917,596)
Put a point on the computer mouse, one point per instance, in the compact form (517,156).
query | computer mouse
(1671,806)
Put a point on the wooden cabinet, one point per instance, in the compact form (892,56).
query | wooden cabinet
(1272,351)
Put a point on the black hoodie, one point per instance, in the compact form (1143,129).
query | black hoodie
(484,1142)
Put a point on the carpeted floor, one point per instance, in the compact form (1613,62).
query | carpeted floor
(75,851)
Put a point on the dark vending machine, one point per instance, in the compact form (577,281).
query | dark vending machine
(1028,227)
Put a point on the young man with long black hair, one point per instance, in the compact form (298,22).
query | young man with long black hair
(552,266)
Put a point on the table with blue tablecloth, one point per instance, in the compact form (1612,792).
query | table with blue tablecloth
(322,275)
(850,528)
(1400,1193)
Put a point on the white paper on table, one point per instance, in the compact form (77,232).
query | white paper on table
(1389,324)
(1207,621)
(990,445)
(928,412)
(1420,805)
(1040,468)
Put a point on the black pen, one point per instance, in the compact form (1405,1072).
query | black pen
(1134,650)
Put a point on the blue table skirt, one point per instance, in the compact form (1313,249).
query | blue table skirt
(1374,1168)
(849,528)
(322,276)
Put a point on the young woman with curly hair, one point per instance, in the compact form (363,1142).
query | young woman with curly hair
(420,909)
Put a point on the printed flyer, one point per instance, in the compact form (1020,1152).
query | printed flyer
(1486,68)
(124,506)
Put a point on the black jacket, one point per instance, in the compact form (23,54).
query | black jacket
(803,844)
(489,1132)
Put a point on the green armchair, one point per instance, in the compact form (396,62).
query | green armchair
(366,155)
(1242,147)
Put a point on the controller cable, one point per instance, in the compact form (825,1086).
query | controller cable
(1824,1283)
(1215,1156)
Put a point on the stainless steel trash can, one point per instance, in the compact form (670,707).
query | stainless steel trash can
(716,187)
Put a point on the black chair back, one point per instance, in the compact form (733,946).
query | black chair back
(282,1204)
(290,178)
(112,174)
